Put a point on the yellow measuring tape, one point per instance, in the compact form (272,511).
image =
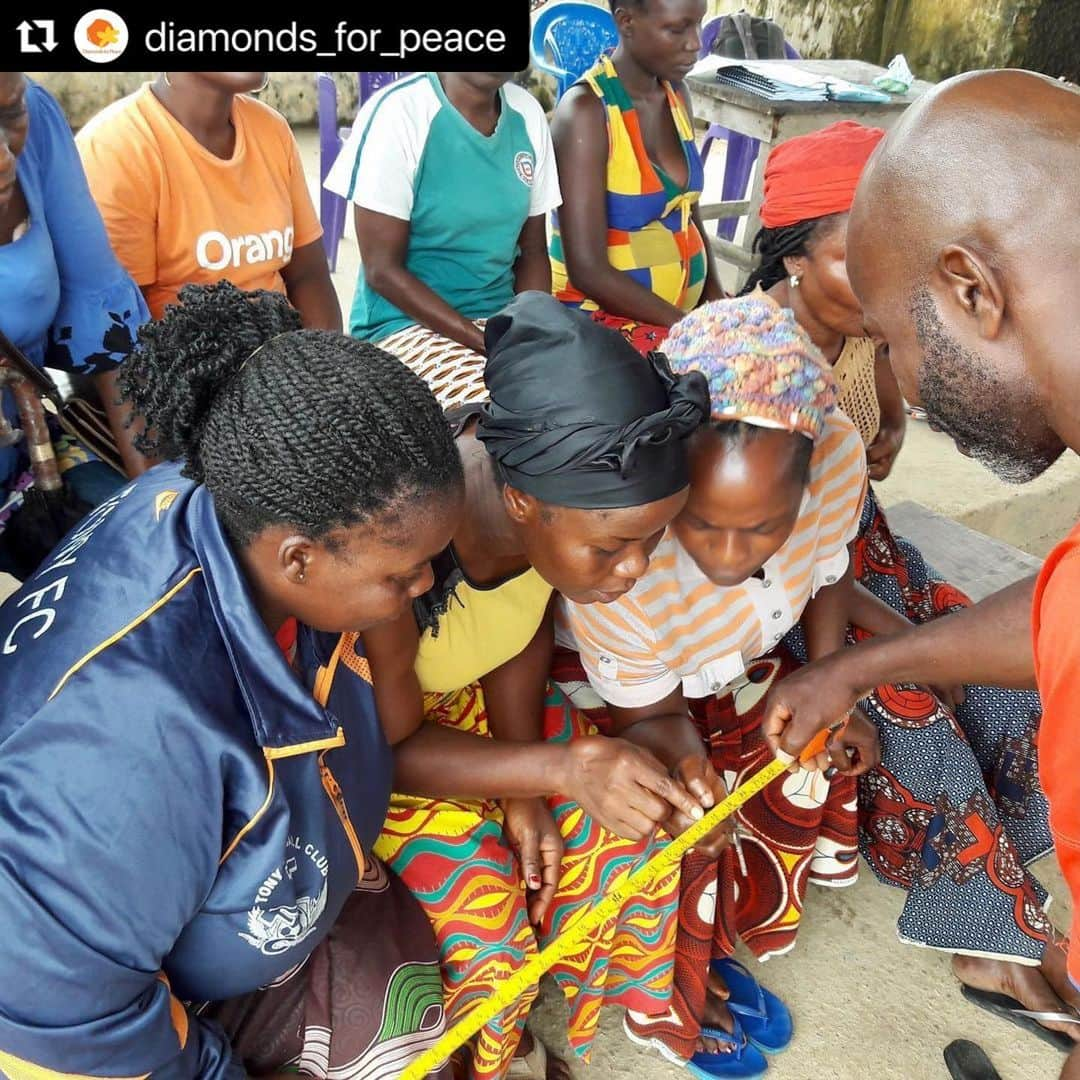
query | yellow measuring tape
(593,918)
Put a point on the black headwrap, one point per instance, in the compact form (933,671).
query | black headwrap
(577,417)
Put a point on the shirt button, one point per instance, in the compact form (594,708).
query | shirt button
(830,578)
(766,583)
(777,637)
(715,687)
(777,614)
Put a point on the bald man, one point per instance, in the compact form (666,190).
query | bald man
(964,251)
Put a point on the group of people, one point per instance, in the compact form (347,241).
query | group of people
(415,638)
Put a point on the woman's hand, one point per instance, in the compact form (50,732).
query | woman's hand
(697,775)
(950,696)
(881,453)
(856,747)
(624,787)
(533,836)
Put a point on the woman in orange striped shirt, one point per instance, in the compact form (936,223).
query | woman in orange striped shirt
(684,661)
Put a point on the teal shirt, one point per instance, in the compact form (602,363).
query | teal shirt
(466,196)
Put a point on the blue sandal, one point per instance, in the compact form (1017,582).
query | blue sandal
(743,1062)
(764,1017)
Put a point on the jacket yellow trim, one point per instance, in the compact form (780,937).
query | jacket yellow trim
(274,752)
(324,679)
(18,1069)
(258,813)
(98,649)
(177,1013)
(337,799)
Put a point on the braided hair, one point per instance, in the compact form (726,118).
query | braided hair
(305,428)
(774,245)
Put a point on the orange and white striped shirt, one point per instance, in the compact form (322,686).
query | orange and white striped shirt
(676,626)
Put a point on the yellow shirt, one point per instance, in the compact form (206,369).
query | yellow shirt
(481,629)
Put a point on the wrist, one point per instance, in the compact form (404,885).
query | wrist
(559,768)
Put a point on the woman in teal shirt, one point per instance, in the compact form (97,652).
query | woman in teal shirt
(452,174)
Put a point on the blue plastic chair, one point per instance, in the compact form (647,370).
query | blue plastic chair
(568,38)
(742,151)
(332,207)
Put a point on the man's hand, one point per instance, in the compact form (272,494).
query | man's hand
(805,702)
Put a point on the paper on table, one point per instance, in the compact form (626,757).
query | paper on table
(789,74)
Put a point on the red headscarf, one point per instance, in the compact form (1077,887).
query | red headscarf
(816,174)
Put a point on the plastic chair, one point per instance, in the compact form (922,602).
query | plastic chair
(742,151)
(573,35)
(332,207)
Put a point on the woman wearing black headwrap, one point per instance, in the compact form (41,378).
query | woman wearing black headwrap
(573,470)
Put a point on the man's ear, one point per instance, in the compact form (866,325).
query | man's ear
(972,288)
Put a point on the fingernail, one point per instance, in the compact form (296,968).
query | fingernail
(831,772)
(697,813)
(785,757)
(534,881)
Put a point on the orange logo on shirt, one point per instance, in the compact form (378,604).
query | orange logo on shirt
(101,32)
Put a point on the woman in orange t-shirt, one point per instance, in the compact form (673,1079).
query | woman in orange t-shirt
(198,182)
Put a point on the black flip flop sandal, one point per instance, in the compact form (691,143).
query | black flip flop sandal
(966,1061)
(1012,1010)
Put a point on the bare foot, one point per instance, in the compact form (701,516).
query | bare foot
(557,1069)
(1055,973)
(717,1015)
(1026,984)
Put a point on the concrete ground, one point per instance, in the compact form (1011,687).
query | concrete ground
(863,1003)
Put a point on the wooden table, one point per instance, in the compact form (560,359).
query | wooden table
(771,122)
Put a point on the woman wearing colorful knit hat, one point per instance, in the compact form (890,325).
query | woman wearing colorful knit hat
(754,576)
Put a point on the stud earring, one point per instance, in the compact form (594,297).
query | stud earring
(794,280)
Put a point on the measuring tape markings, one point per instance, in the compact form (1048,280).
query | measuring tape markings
(594,917)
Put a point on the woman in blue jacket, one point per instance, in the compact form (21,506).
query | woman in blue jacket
(187,805)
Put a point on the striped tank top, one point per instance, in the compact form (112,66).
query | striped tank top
(651,235)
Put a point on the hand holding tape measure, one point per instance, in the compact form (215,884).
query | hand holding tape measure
(592,918)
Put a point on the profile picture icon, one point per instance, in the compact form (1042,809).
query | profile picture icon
(101,36)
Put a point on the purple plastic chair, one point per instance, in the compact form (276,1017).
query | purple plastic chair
(742,151)
(332,207)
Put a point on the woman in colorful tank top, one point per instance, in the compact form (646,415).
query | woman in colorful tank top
(628,243)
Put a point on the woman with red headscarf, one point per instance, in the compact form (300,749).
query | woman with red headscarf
(810,183)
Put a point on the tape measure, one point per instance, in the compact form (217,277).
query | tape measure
(592,918)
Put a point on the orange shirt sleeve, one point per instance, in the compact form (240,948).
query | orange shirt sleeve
(1057,665)
(124,176)
(306,227)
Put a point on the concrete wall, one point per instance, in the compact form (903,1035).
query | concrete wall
(938,37)
(83,93)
